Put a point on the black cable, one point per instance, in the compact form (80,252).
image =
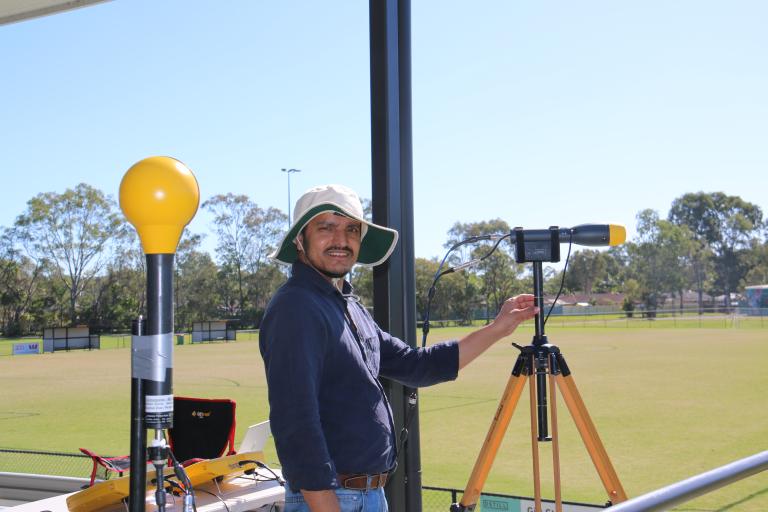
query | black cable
(275,476)
(179,471)
(216,496)
(181,474)
(182,489)
(257,478)
(431,293)
(174,484)
(475,261)
(439,274)
(562,281)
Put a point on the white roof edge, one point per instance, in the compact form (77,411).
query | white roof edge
(14,10)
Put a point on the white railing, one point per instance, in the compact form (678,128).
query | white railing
(685,490)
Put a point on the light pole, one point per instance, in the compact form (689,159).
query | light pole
(288,172)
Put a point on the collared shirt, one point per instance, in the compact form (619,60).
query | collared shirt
(323,354)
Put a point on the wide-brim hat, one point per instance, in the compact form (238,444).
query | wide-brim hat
(377,241)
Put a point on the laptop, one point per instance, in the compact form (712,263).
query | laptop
(255,438)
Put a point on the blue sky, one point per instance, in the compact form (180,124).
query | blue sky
(540,114)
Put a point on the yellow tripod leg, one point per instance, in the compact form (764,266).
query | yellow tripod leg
(492,441)
(534,445)
(591,439)
(555,443)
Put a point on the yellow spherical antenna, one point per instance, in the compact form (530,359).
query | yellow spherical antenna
(159,196)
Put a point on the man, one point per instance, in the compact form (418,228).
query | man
(323,354)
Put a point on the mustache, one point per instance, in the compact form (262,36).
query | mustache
(340,248)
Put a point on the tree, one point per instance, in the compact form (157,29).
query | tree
(698,266)
(758,264)
(195,284)
(361,279)
(117,296)
(263,284)
(246,235)
(656,258)
(632,295)
(680,250)
(71,231)
(553,279)
(500,276)
(457,295)
(612,279)
(20,278)
(586,268)
(728,225)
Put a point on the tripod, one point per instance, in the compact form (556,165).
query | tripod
(538,363)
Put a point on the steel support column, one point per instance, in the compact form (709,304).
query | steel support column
(392,180)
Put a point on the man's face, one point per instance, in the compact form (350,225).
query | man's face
(331,243)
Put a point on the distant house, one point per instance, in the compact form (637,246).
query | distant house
(720,301)
(691,300)
(595,299)
(581,304)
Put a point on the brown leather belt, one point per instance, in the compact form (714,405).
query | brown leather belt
(363,482)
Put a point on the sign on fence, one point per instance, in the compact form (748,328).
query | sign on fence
(26,348)
(505,504)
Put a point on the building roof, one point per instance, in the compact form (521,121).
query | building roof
(12,11)
(600,299)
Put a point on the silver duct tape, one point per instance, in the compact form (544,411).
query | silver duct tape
(151,356)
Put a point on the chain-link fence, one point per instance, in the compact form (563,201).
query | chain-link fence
(667,319)
(45,463)
(439,499)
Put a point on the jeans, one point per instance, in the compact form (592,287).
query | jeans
(350,500)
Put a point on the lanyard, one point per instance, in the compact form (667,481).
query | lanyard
(356,334)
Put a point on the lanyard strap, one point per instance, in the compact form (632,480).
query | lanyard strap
(399,440)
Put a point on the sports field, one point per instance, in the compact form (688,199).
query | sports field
(668,404)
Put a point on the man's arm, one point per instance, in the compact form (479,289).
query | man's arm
(514,311)
(321,501)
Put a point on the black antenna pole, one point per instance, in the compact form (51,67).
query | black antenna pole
(138,474)
(541,353)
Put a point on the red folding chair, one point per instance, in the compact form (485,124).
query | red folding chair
(110,465)
(203,428)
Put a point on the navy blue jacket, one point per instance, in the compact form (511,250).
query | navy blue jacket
(328,411)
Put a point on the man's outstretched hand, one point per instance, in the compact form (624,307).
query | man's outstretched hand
(515,311)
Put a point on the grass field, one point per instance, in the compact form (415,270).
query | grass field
(668,404)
